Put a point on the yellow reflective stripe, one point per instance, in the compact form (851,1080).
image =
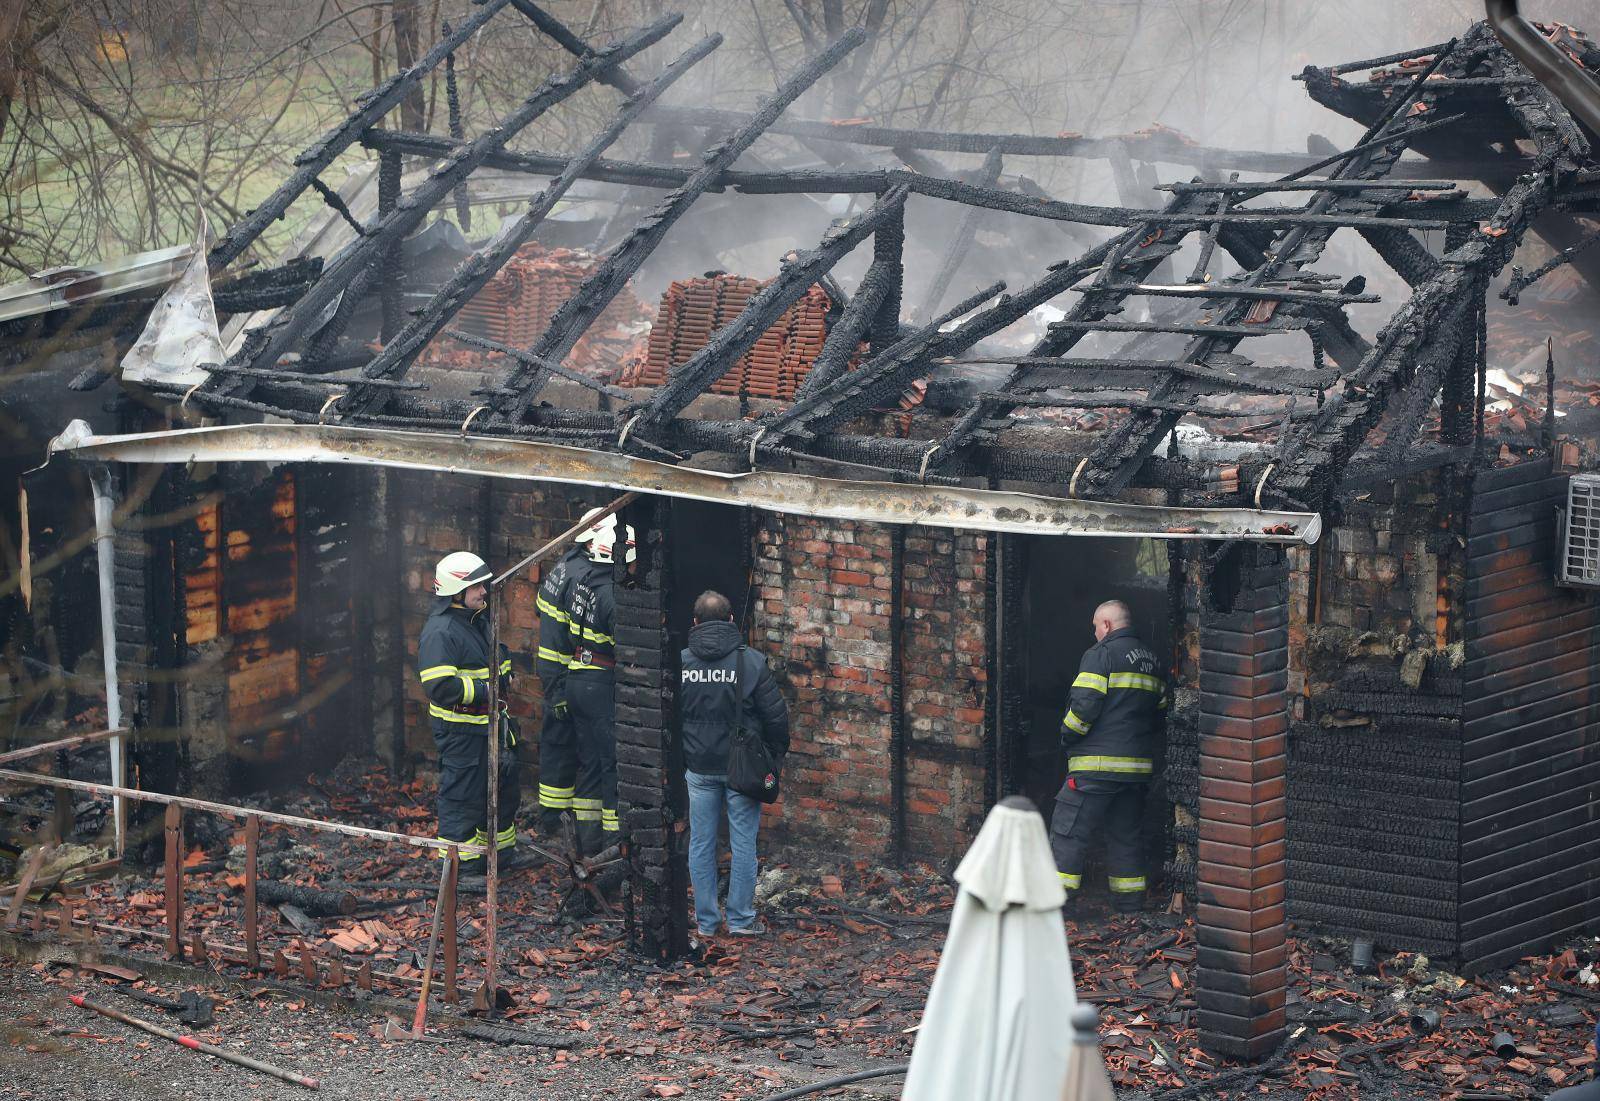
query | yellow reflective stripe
(1093,681)
(467,690)
(1075,724)
(574,666)
(587,804)
(434,672)
(1137,680)
(1071,880)
(586,815)
(578,630)
(555,798)
(547,654)
(456,716)
(1130,765)
(505,666)
(1126,883)
(548,609)
(506,838)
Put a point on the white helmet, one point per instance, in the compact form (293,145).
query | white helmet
(459,570)
(602,537)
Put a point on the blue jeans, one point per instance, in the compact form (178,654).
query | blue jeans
(707,796)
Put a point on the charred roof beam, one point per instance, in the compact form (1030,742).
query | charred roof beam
(800,271)
(1113,462)
(476,270)
(612,274)
(355,262)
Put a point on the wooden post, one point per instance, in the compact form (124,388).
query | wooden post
(252,944)
(449,930)
(173,901)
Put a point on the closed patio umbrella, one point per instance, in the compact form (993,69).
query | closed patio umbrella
(998,1023)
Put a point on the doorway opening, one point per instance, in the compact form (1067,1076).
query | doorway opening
(1060,581)
(710,549)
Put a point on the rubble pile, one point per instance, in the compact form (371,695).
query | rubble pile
(842,978)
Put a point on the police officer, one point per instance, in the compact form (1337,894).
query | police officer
(591,681)
(558,751)
(1116,708)
(726,687)
(453,665)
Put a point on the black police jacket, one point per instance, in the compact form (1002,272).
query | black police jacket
(1115,710)
(707,707)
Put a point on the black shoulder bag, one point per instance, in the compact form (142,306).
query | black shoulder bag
(751,769)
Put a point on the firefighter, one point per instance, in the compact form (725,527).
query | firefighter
(558,751)
(1116,708)
(591,679)
(453,665)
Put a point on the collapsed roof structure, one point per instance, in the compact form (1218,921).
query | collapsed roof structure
(1450,101)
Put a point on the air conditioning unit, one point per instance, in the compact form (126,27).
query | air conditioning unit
(1579,533)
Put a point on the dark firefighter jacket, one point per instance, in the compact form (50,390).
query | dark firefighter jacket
(453,664)
(707,699)
(555,635)
(591,618)
(1116,708)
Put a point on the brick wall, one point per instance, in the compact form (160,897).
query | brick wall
(823,616)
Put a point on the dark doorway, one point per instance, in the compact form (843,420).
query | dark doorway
(1063,579)
(710,549)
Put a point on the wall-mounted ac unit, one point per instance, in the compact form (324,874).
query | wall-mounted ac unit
(1579,533)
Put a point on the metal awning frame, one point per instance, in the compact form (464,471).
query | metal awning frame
(956,507)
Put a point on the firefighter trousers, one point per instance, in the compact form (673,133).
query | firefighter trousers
(591,697)
(464,790)
(1083,806)
(558,758)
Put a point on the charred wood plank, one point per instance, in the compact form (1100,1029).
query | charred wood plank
(1408,256)
(475,272)
(851,328)
(310,163)
(1257,293)
(579,312)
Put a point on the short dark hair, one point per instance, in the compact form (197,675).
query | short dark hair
(711,605)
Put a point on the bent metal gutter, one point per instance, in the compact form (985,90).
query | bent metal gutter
(774,491)
(1565,78)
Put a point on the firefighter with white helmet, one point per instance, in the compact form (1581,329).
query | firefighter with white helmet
(590,609)
(453,664)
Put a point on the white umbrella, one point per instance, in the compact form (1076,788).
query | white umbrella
(997,1026)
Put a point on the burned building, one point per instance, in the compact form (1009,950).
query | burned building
(1384,723)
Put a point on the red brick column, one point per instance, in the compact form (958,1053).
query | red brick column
(1244,722)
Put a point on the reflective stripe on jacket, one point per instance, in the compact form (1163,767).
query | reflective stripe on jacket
(453,664)
(1115,709)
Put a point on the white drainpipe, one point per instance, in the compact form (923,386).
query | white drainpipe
(104,542)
